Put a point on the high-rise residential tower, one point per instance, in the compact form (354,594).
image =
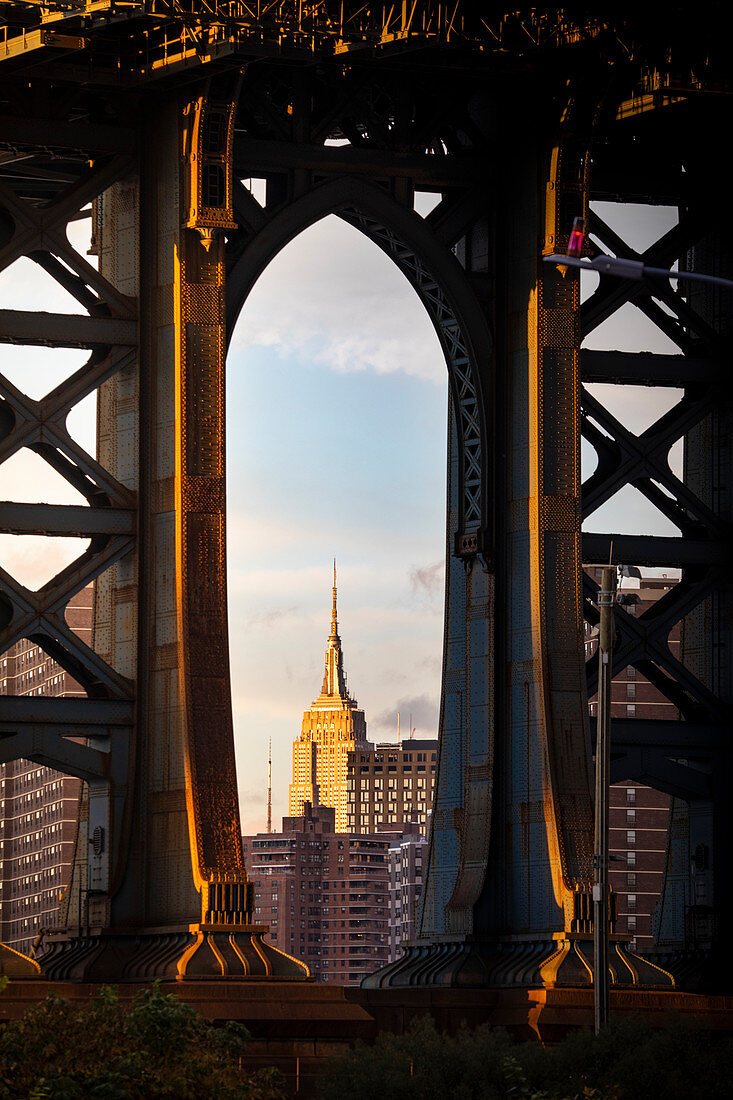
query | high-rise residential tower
(332,728)
(323,894)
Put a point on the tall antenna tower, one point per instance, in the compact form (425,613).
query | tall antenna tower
(269,788)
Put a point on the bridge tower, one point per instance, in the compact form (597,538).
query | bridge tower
(517,125)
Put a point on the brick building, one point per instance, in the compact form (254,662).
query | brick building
(639,815)
(391,786)
(638,825)
(324,894)
(38,805)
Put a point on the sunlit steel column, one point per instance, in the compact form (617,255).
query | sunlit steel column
(179,903)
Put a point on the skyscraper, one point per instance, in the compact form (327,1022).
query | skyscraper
(332,728)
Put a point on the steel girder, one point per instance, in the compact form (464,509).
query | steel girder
(669,156)
(703,549)
(154,739)
(47,731)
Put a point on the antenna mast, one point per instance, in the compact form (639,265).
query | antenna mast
(269,789)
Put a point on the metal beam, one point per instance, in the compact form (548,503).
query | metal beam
(78,714)
(645,368)
(677,738)
(64,330)
(253,157)
(655,769)
(65,519)
(653,550)
(52,133)
(53,750)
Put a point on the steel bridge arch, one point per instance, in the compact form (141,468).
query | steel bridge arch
(445,292)
(468,348)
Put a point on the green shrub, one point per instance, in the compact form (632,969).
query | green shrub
(157,1048)
(630,1060)
(421,1065)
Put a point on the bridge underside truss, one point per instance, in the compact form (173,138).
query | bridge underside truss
(512,152)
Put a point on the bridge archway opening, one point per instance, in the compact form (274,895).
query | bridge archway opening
(336,409)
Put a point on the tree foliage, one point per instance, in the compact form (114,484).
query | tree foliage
(630,1060)
(158,1047)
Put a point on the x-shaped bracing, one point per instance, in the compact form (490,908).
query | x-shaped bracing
(642,462)
(109,330)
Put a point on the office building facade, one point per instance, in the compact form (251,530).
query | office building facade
(391,786)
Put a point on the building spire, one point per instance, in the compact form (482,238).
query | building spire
(334,680)
(334,621)
(269,789)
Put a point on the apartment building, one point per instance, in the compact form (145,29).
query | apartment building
(408,859)
(323,893)
(38,805)
(639,815)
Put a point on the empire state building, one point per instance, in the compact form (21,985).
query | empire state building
(332,728)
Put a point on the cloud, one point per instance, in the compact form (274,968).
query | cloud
(418,712)
(34,559)
(428,580)
(253,797)
(331,296)
(269,618)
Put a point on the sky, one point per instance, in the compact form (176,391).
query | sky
(336,428)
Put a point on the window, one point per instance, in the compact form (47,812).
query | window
(631,879)
(631,924)
(631,691)
(631,899)
(631,836)
(631,710)
(631,859)
(630,795)
(631,817)
(630,672)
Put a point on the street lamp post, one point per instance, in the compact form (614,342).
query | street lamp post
(623,268)
(601,897)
